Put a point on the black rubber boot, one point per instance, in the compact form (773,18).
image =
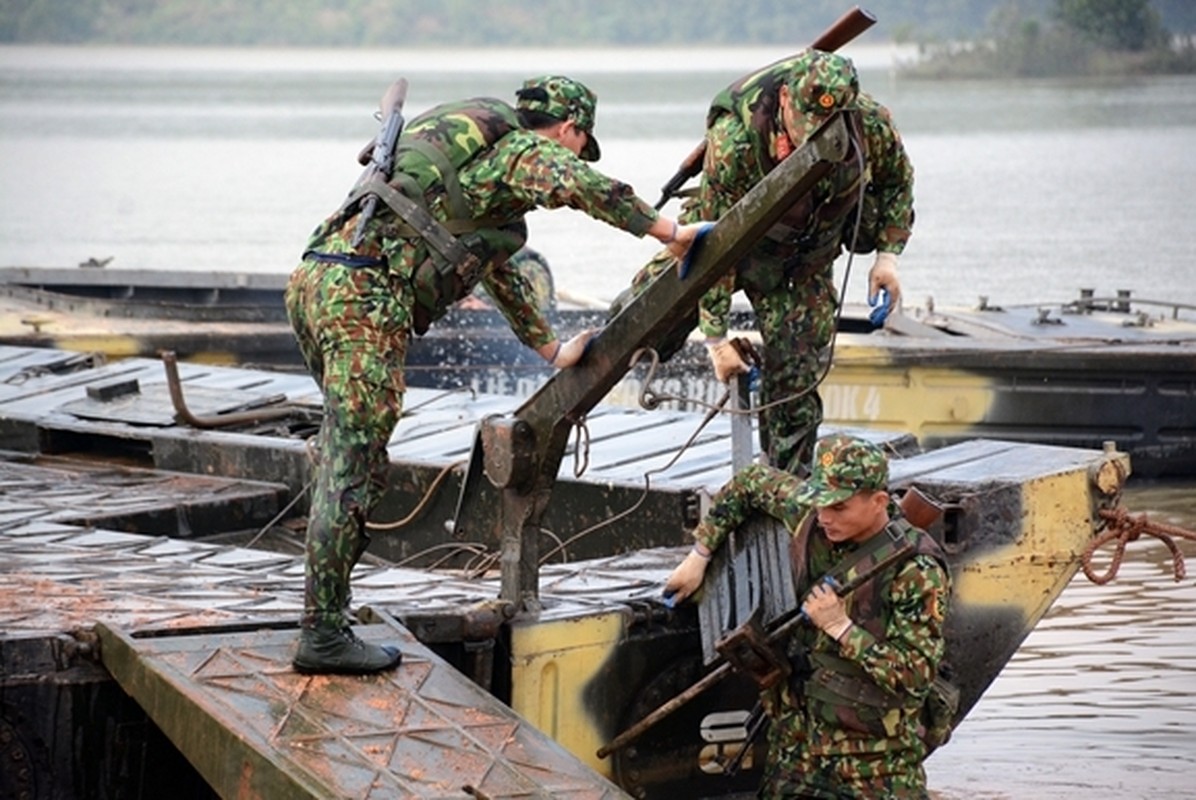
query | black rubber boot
(325,650)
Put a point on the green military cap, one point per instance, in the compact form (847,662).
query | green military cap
(844,466)
(821,83)
(563,98)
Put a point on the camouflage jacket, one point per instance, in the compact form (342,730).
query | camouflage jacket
(743,129)
(866,691)
(499,183)
(895,647)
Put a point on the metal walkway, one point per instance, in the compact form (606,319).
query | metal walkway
(255,728)
(201,636)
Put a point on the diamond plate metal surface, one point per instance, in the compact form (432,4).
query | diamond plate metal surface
(422,730)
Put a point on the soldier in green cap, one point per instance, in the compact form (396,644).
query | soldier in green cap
(846,722)
(788,277)
(465,175)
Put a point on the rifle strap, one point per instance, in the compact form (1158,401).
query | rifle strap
(856,567)
(894,543)
(417,218)
(455,227)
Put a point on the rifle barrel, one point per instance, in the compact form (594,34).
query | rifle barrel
(381,154)
(847,27)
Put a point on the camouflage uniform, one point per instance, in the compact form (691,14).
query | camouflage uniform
(353,310)
(789,275)
(821,745)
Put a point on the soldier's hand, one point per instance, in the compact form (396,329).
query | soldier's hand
(883,275)
(570,352)
(725,359)
(827,611)
(682,241)
(687,577)
(690,236)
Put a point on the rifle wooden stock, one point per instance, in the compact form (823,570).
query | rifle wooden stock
(843,30)
(392,101)
(919,508)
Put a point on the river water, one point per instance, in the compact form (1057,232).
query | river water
(1026,192)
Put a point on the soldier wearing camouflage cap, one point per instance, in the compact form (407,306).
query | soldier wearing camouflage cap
(788,276)
(471,170)
(563,98)
(847,724)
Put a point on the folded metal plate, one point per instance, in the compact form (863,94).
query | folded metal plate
(255,728)
(753,572)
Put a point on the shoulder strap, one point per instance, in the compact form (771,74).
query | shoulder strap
(894,544)
(423,224)
(897,542)
(448,175)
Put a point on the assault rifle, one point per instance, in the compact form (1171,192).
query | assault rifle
(745,645)
(751,650)
(922,512)
(841,31)
(382,157)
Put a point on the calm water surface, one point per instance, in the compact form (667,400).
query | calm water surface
(225,160)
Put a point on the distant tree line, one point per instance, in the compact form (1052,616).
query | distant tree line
(956,37)
(1076,37)
(382,23)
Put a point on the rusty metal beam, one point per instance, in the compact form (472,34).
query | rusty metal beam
(522,453)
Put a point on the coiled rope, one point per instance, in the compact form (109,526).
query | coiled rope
(1122,527)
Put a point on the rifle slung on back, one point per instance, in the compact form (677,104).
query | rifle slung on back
(847,27)
(382,156)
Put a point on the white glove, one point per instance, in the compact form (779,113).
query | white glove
(827,611)
(725,359)
(678,246)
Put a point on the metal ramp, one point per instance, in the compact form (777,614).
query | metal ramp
(253,727)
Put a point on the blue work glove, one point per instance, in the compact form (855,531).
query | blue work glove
(880,308)
(687,262)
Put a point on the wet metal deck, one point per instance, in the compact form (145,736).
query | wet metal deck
(201,636)
(630,457)
(50,489)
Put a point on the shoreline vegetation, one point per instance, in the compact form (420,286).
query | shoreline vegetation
(1079,38)
(953,39)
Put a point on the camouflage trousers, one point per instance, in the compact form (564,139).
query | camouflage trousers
(352,326)
(791,771)
(796,321)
